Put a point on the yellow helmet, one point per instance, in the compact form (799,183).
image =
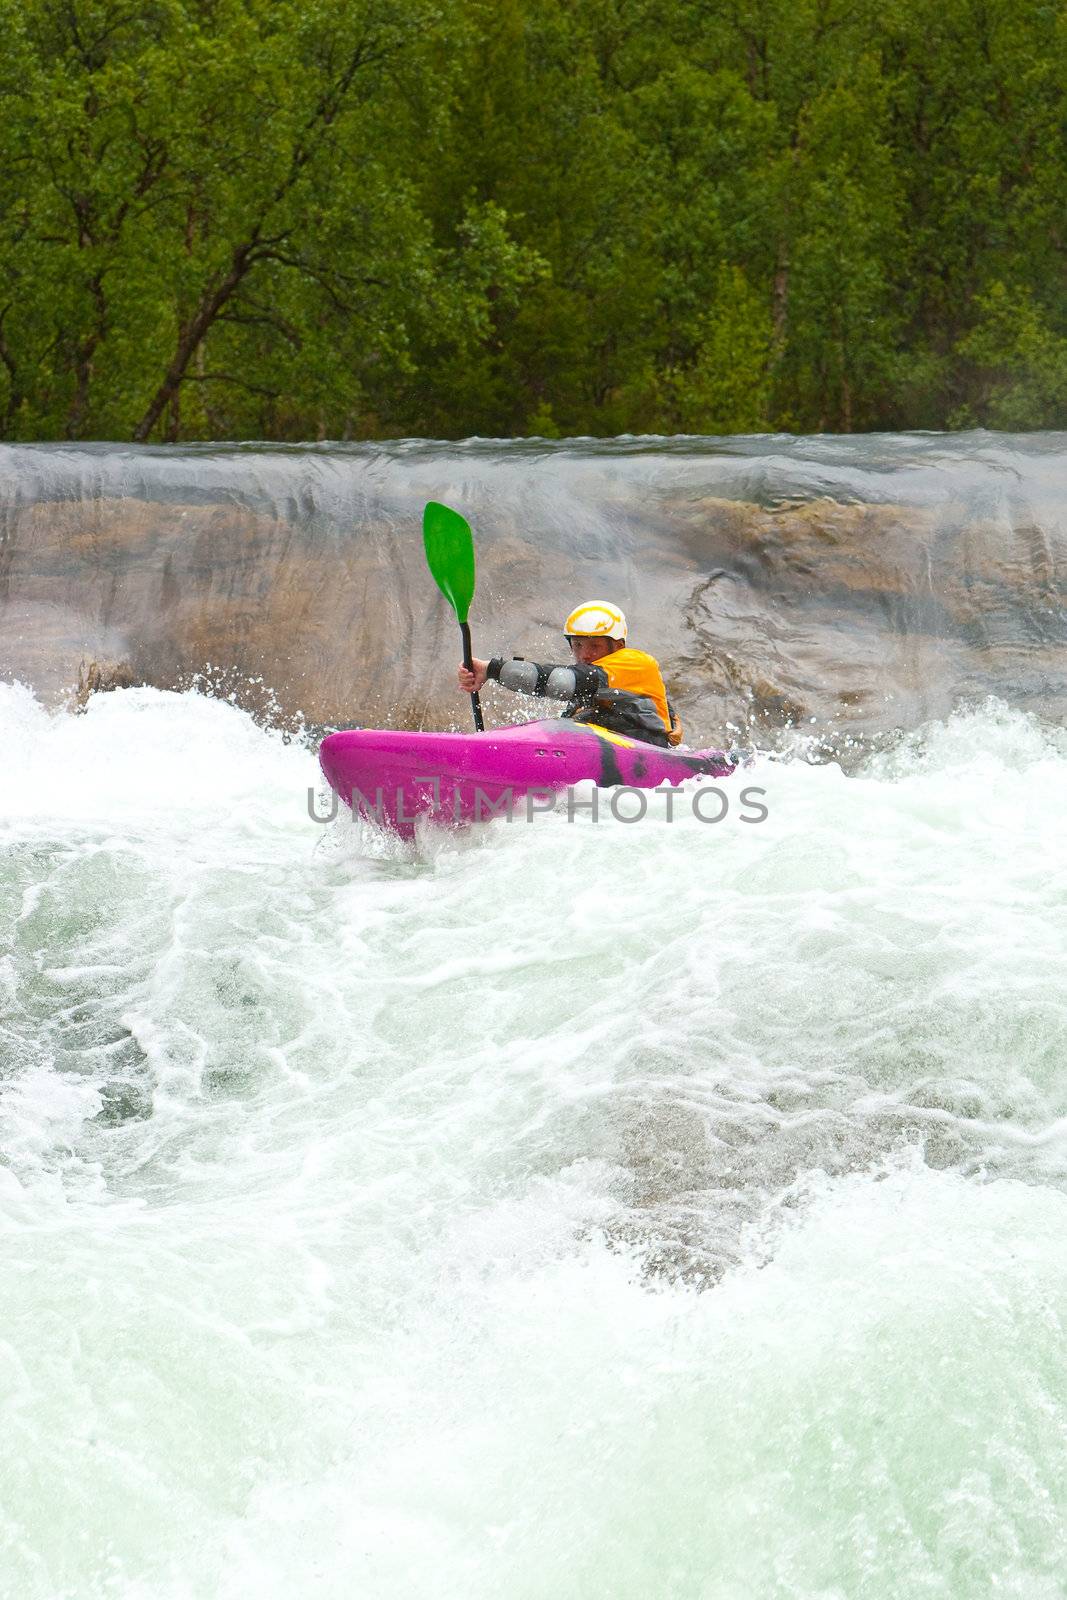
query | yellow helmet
(596,619)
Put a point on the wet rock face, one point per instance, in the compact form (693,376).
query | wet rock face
(867,585)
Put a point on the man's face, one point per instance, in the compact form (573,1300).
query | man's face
(590,650)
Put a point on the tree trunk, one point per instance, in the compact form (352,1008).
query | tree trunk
(83,368)
(781,301)
(190,337)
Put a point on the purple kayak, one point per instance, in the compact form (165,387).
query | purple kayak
(394,777)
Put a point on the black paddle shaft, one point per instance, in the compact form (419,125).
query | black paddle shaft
(476,704)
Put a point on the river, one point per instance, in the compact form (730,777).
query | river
(570,1209)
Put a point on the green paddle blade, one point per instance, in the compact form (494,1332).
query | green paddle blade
(450,555)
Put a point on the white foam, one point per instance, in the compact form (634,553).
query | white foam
(575,1208)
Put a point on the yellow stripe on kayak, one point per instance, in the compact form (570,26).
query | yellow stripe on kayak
(606,733)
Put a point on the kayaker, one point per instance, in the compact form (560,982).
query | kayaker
(607,682)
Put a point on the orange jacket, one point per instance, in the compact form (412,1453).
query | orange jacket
(637,673)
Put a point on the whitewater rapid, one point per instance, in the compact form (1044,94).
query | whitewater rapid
(565,1210)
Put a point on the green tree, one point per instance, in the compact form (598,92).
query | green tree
(295,218)
(213,229)
(1018,364)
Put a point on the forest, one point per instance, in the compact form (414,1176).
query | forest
(352,219)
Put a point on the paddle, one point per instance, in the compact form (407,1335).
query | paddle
(450,558)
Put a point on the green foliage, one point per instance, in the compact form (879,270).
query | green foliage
(726,387)
(357,218)
(1020,378)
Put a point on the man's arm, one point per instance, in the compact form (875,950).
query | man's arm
(581,683)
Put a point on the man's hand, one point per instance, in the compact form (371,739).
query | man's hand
(471,682)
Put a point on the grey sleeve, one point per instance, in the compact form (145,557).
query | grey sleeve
(580,683)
